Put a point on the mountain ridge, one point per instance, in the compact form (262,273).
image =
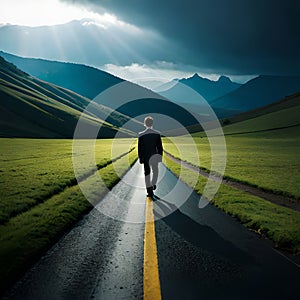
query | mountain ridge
(259,92)
(210,89)
(82,79)
(193,92)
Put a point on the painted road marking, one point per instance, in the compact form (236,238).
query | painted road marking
(151,276)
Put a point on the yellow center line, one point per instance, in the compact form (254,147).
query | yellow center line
(151,276)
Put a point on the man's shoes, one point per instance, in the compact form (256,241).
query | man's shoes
(150,192)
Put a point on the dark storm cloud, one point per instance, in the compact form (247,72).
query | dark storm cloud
(233,36)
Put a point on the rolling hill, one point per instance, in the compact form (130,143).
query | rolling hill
(281,115)
(30,107)
(83,80)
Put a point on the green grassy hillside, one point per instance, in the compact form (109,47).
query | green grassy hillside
(84,80)
(30,107)
(282,114)
(278,115)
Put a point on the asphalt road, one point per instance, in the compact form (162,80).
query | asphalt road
(202,253)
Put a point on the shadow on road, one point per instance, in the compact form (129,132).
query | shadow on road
(201,236)
(196,260)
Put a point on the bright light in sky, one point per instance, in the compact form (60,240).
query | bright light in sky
(47,12)
(53,12)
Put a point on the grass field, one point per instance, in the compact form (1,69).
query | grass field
(270,160)
(40,198)
(31,171)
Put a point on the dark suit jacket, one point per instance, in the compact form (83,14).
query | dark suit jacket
(149,144)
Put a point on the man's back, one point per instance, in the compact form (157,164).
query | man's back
(149,144)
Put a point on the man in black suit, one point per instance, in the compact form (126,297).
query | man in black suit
(150,152)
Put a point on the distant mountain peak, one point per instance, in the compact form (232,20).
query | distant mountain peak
(224,79)
(195,75)
(210,89)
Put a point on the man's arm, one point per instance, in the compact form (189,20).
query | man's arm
(140,150)
(159,146)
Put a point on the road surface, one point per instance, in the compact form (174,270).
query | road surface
(195,253)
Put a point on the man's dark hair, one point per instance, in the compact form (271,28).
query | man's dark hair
(148,121)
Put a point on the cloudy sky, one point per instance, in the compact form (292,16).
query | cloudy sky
(162,38)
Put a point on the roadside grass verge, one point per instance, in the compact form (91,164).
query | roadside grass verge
(33,170)
(279,224)
(27,236)
(267,160)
